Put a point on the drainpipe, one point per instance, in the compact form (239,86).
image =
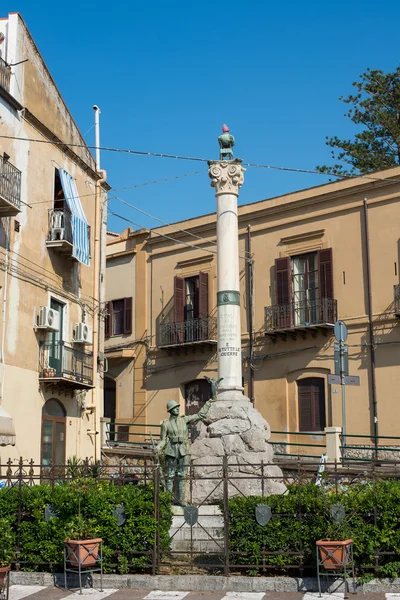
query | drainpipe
(250,272)
(371,328)
(98,285)
(3,333)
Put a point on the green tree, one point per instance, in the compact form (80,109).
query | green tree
(376,108)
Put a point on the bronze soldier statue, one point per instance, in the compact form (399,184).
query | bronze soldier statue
(175,442)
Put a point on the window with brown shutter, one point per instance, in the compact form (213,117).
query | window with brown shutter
(127,316)
(283,281)
(325,273)
(311,402)
(108,320)
(203,306)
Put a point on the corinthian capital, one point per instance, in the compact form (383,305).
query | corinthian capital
(226,176)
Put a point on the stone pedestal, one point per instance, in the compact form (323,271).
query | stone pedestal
(235,429)
(207,535)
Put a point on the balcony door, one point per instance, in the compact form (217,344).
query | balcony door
(54,339)
(53,433)
(305,288)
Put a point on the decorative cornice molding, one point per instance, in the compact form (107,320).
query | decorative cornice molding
(226,176)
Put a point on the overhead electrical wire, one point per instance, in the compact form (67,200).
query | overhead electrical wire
(197,159)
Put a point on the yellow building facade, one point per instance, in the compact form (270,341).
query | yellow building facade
(51,223)
(307,259)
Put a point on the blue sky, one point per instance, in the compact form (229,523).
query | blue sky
(166,75)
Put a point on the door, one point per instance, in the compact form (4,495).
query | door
(305,288)
(53,433)
(311,400)
(54,339)
(197,393)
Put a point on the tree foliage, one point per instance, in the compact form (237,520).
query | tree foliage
(376,108)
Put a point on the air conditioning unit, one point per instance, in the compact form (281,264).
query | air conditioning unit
(57,225)
(83,334)
(49,318)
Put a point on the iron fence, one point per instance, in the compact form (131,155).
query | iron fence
(5,75)
(59,360)
(239,532)
(10,183)
(300,314)
(188,332)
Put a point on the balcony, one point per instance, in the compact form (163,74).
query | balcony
(64,366)
(60,231)
(195,332)
(300,317)
(5,75)
(397,301)
(10,188)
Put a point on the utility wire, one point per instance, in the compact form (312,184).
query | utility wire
(198,159)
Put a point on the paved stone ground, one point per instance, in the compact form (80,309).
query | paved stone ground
(37,592)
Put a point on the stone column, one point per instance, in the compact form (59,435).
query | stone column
(227,178)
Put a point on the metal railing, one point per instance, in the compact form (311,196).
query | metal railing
(384,448)
(60,225)
(188,332)
(5,75)
(58,359)
(132,434)
(300,314)
(397,299)
(294,449)
(10,183)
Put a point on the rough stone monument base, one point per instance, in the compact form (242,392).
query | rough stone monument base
(235,429)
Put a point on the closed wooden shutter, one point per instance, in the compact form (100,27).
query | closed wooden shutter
(127,316)
(325,273)
(325,285)
(311,400)
(283,284)
(108,320)
(203,306)
(179,308)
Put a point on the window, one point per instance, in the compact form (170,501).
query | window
(190,298)
(119,317)
(59,198)
(304,286)
(311,401)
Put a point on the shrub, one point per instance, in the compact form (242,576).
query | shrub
(303,515)
(126,548)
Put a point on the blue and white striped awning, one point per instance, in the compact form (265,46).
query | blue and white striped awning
(80,227)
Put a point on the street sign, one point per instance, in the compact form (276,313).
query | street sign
(334,379)
(340,331)
(351,380)
(345,358)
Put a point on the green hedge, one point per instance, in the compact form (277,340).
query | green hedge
(88,505)
(303,515)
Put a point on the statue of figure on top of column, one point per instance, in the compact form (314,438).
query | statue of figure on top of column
(226,142)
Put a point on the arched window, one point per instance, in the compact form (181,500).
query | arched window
(311,401)
(197,393)
(53,432)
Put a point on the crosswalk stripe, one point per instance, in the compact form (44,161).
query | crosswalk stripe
(160,595)
(244,595)
(93,593)
(17,592)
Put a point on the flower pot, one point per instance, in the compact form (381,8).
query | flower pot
(3,575)
(334,554)
(83,552)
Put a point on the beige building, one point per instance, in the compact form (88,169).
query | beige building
(317,255)
(51,224)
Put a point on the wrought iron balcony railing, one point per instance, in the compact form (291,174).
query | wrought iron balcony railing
(300,315)
(194,331)
(5,75)
(397,300)
(60,226)
(59,361)
(10,188)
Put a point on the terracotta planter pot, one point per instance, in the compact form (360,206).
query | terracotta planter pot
(334,553)
(3,574)
(83,552)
